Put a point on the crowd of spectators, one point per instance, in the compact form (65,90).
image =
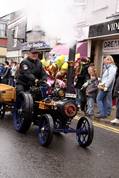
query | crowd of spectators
(8,71)
(90,88)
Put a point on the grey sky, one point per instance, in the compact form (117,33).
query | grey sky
(56,17)
(8,6)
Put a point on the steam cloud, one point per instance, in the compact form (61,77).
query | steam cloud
(57,18)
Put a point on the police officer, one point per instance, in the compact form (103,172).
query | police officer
(30,71)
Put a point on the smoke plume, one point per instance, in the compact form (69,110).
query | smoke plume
(56,17)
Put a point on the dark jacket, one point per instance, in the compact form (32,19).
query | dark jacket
(116,88)
(92,88)
(83,76)
(1,69)
(29,71)
(5,76)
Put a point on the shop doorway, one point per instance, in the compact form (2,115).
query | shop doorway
(116,60)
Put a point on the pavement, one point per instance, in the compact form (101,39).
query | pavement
(106,120)
(109,118)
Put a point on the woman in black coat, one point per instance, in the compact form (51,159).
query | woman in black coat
(82,77)
(116,94)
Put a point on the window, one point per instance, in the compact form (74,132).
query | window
(97,5)
(2,30)
(80,2)
(15,36)
(117,6)
(80,10)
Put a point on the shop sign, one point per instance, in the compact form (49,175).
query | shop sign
(111,45)
(41,45)
(104,29)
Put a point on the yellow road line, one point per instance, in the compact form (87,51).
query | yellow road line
(109,128)
(106,127)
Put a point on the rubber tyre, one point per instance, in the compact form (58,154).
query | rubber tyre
(22,114)
(84,132)
(46,127)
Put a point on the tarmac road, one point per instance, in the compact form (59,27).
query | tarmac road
(21,156)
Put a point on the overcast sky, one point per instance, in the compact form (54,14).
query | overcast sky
(56,17)
(8,6)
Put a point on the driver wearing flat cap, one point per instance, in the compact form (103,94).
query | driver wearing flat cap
(30,71)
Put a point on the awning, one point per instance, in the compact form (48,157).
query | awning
(60,49)
(82,48)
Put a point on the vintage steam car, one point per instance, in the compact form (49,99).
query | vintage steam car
(51,111)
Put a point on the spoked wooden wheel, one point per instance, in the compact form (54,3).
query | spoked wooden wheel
(22,114)
(46,126)
(84,131)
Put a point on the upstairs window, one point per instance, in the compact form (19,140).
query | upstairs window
(80,2)
(2,30)
(80,9)
(97,5)
(117,6)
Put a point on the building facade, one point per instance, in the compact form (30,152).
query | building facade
(97,25)
(100,20)
(103,20)
(3,40)
(16,35)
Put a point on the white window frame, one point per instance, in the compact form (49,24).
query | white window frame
(97,5)
(80,2)
(2,30)
(117,6)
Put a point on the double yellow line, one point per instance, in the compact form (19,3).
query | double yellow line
(106,127)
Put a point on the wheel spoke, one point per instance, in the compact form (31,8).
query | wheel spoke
(45,130)
(84,132)
(2,110)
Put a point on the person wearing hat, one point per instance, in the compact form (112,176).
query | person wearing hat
(82,76)
(30,71)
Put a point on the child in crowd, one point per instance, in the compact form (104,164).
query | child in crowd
(91,90)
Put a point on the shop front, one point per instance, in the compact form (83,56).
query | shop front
(105,41)
(111,47)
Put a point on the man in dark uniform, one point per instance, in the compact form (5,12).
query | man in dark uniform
(30,71)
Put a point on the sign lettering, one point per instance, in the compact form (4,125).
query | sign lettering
(111,45)
(104,29)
